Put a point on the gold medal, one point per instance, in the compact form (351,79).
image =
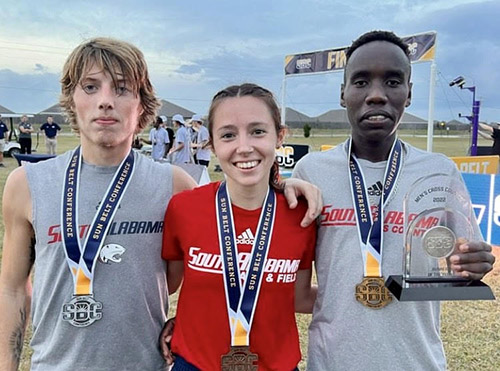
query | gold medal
(372,293)
(239,358)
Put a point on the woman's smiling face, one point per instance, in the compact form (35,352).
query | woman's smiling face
(244,140)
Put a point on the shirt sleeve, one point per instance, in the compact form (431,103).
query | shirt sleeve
(303,237)
(298,170)
(172,224)
(310,242)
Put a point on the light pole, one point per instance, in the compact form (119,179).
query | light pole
(474,119)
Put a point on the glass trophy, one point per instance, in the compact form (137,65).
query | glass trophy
(438,217)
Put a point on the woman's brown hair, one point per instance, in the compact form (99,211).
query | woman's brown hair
(256,91)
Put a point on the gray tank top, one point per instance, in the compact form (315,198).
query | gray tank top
(129,278)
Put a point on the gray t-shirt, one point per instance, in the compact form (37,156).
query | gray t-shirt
(184,155)
(344,334)
(129,278)
(202,153)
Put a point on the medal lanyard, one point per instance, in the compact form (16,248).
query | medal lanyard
(370,232)
(241,305)
(81,261)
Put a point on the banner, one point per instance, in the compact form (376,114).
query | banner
(485,195)
(477,164)
(422,49)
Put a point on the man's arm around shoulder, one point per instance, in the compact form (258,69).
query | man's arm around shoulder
(17,260)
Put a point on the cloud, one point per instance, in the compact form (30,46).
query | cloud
(28,93)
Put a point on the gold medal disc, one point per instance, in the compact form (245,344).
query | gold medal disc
(239,358)
(372,293)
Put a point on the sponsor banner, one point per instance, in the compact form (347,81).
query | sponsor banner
(288,154)
(485,195)
(422,49)
(477,164)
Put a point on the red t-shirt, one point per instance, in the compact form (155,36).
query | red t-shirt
(202,335)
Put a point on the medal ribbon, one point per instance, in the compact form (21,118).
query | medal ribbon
(369,232)
(82,262)
(242,301)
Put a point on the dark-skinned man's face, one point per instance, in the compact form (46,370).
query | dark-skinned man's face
(376,90)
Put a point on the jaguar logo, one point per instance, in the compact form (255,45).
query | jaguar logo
(111,253)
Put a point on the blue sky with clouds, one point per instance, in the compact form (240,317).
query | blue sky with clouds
(195,48)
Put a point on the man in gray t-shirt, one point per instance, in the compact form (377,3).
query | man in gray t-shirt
(347,333)
(111,226)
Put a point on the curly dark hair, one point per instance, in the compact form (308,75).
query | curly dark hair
(377,35)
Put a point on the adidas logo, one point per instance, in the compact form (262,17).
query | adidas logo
(375,190)
(246,238)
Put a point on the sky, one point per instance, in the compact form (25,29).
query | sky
(195,48)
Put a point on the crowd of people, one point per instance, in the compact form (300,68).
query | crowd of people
(99,295)
(191,145)
(188,144)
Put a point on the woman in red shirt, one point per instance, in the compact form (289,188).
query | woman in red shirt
(244,260)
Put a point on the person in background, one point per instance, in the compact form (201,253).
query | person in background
(25,129)
(193,133)
(200,146)
(158,138)
(171,137)
(251,246)
(50,128)
(348,332)
(182,148)
(4,135)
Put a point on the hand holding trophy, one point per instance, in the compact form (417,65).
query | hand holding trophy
(438,219)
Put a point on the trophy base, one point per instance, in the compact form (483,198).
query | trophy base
(426,290)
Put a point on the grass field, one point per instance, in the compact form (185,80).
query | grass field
(470,330)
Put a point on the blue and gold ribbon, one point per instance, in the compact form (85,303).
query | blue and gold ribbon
(242,301)
(82,259)
(370,232)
